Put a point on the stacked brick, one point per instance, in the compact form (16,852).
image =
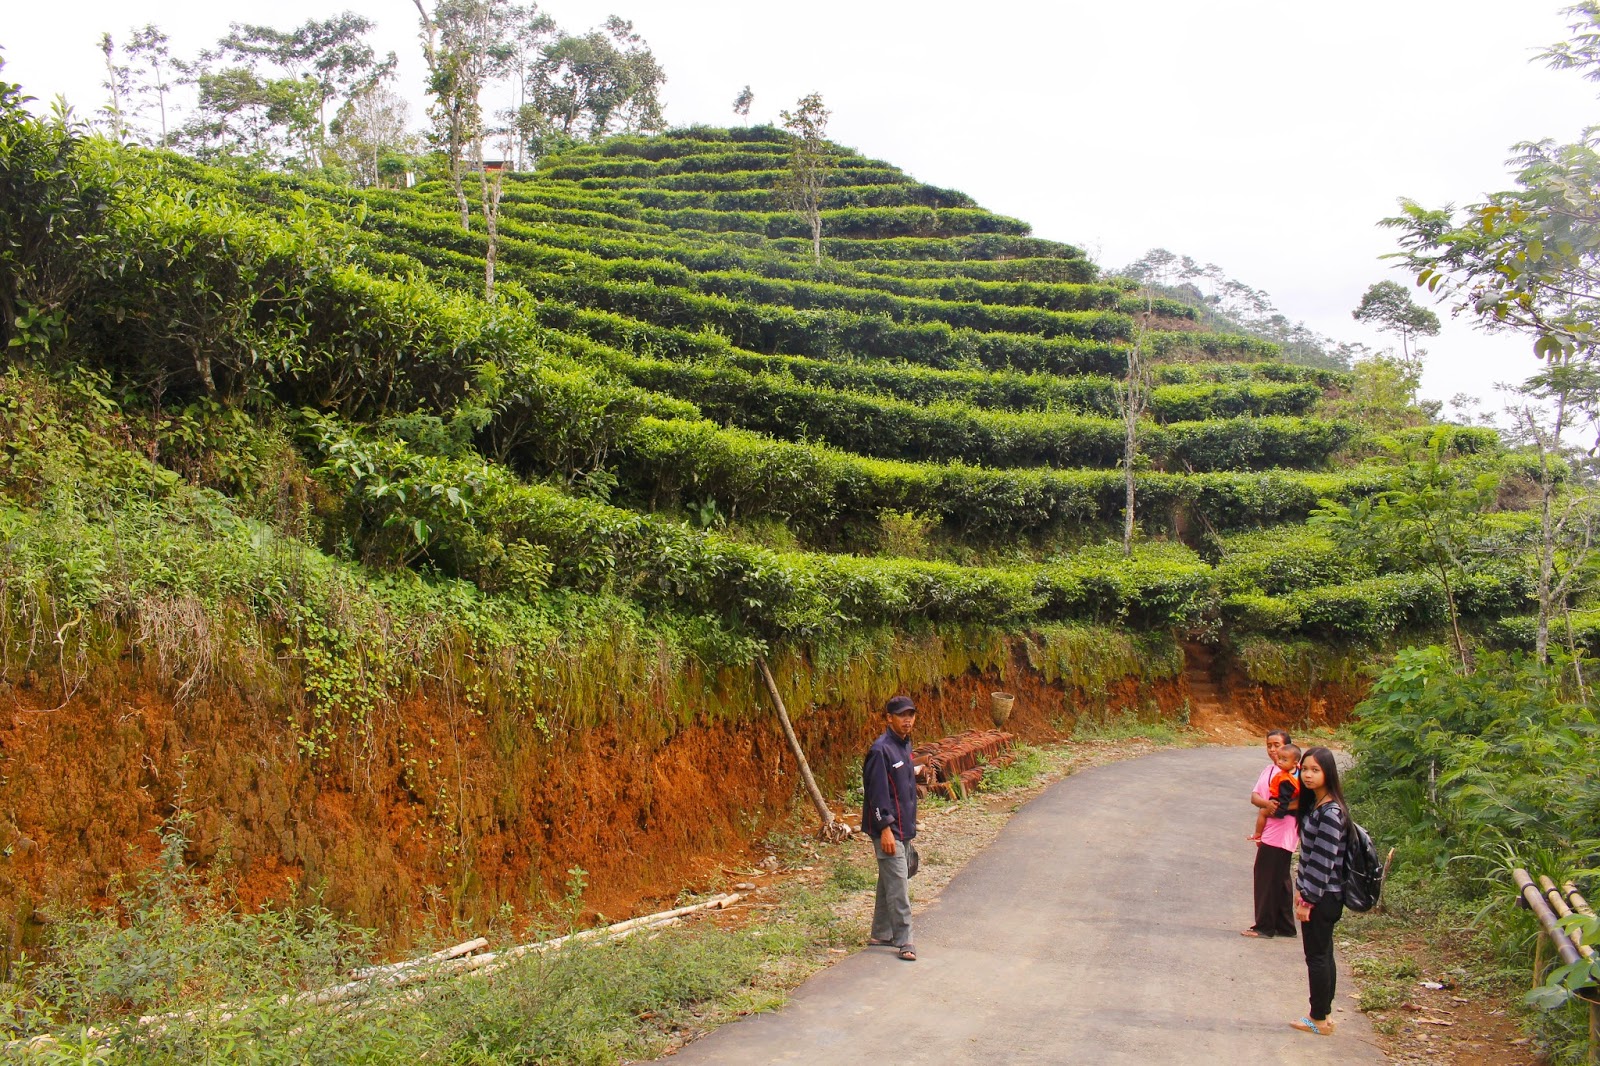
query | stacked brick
(954,766)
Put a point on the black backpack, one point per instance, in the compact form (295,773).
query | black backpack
(1362,876)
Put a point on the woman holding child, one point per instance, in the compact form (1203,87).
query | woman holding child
(1276,836)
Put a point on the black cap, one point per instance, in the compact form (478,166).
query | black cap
(900,705)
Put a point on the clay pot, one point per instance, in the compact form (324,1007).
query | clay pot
(1000,706)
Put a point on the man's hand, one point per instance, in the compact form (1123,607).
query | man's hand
(886,840)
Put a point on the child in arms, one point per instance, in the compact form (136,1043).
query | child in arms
(1284,787)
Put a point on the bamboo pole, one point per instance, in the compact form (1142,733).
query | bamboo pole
(832,828)
(1579,904)
(1549,907)
(1535,901)
(1558,904)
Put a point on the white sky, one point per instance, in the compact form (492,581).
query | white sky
(1267,136)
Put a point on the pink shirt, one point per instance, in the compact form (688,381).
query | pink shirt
(1280,832)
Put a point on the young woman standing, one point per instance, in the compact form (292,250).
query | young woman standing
(1319,900)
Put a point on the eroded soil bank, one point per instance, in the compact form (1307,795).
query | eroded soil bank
(432,813)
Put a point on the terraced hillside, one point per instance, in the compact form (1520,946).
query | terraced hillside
(450,596)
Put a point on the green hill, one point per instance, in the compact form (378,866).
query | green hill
(482,565)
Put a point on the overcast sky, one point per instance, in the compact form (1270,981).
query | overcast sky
(1267,136)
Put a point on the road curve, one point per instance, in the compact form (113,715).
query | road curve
(1101,927)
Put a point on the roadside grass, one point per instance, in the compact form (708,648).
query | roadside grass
(1130,725)
(216,985)
(591,1003)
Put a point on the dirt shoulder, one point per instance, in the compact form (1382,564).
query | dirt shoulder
(1431,999)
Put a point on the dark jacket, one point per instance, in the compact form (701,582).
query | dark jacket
(889,781)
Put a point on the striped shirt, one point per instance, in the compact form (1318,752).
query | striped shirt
(1321,853)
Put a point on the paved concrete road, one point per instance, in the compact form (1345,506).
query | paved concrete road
(1102,927)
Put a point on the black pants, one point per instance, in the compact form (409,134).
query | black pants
(1274,893)
(1317,939)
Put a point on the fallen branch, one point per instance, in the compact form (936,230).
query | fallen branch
(467,948)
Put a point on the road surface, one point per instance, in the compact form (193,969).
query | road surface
(1101,927)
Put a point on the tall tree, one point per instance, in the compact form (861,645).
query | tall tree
(491,181)
(265,94)
(267,121)
(742,102)
(809,164)
(1136,389)
(119,91)
(467,44)
(1135,398)
(372,137)
(1526,260)
(330,57)
(1390,308)
(601,82)
(527,123)
(152,64)
(1564,397)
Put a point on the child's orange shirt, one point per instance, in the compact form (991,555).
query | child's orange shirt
(1283,788)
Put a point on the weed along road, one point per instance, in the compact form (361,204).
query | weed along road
(1101,927)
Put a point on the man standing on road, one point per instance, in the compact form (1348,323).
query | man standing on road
(889,817)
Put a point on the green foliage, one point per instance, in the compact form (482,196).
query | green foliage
(1300,664)
(1471,757)
(834,498)
(1026,767)
(894,429)
(1382,392)
(1280,561)
(1092,658)
(54,193)
(1473,774)
(1431,520)
(601,440)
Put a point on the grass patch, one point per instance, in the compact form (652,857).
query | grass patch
(172,945)
(1023,771)
(1129,725)
(849,877)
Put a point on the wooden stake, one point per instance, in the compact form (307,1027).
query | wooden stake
(832,828)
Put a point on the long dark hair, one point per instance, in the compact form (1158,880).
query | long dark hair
(1330,783)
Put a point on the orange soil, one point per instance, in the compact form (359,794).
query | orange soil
(438,814)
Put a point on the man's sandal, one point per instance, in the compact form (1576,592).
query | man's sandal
(874,942)
(1306,1025)
(908,953)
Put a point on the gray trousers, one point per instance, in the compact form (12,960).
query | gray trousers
(891,909)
